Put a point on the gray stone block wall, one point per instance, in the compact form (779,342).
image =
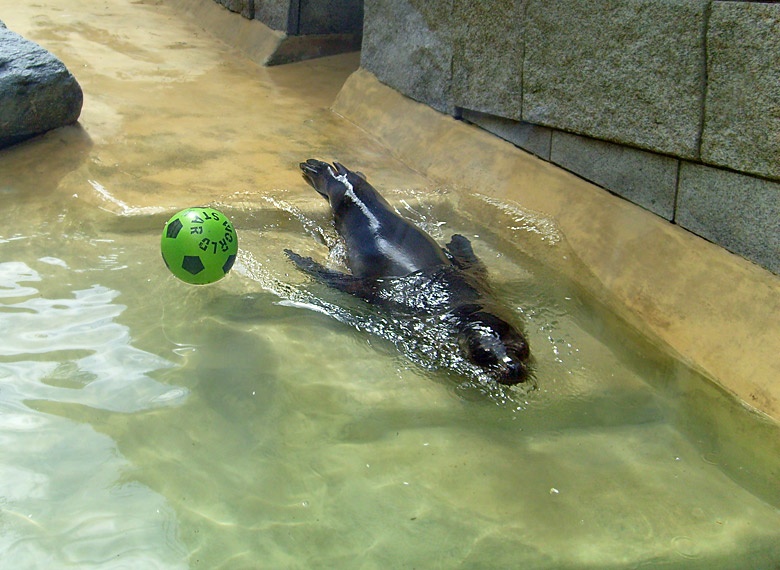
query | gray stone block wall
(627,71)
(645,178)
(407,44)
(533,138)
(317,17)
(742,114)
(244,7)
(310,28)
(302,17)
(739,212)
(273,13)
(621,92)
(488,56)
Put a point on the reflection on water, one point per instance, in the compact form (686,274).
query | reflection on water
(95,352)
(61,482)
(267,421)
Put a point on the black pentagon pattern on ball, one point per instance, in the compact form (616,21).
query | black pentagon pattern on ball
(193,264)
(228,263)
(174,228)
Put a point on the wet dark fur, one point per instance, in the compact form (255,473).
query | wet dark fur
(396,265)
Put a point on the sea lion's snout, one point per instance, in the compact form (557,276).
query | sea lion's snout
(330,181)
(317,173)
(495,346)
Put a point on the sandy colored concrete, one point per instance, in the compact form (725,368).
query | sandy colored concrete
(717,310)
(254,39)
(172,116)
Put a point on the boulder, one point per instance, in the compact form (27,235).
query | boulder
(37,92)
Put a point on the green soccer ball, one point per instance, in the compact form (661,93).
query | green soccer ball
(199,245)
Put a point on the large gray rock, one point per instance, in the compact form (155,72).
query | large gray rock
(628,71)
(742,111)
(37,92)
(407,44)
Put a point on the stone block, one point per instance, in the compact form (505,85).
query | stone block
(736,211)
(37,92)
(532,138)
(273,13)
(488,56)
(407,45)
(244,7)
(644,178)
(628,71)
(742,111)
(330,17)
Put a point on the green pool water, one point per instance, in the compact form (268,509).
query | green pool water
(268,422)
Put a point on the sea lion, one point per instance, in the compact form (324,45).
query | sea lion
(398,266)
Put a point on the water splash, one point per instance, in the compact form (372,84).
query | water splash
(426,340)
(525,220)
(123,208)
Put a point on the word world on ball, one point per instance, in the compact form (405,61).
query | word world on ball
(199,245)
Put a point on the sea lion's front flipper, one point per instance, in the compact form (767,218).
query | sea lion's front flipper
(462,255)
(336,279)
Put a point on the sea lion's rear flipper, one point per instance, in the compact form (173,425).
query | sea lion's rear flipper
(336,279)
(461,253)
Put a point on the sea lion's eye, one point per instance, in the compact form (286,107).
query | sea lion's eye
(483,357)
(479,353)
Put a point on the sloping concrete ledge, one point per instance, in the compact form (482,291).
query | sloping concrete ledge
(253,38)
(718,311)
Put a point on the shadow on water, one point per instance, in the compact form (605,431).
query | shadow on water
(40,164)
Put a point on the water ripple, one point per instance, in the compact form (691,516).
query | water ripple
(114,375)
(62,484)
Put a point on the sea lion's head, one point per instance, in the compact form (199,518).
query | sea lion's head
(332,182)
(495,346)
